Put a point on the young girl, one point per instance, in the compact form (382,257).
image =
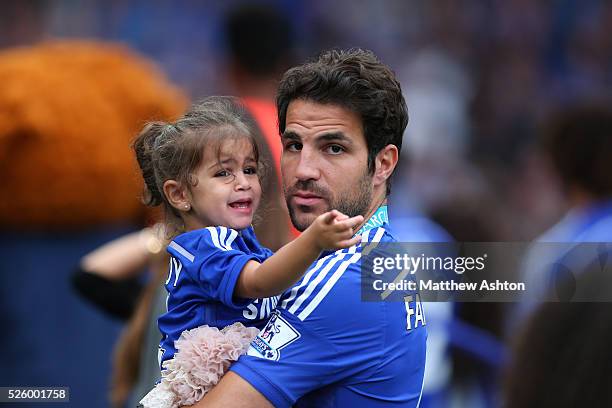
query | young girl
(204,170)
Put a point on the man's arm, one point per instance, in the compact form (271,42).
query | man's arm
(233,392)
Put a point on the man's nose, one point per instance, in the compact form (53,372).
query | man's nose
(308,167)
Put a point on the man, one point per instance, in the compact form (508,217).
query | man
(578,142)
(341,120)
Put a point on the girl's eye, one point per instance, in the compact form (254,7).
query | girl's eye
(334,149)
(293,146)
(223,173)
(250,170)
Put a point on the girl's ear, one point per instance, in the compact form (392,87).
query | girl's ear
(177,195)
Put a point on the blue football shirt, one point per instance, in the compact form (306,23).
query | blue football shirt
(325,347)
(204,268)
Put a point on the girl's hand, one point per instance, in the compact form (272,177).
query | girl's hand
(334,230)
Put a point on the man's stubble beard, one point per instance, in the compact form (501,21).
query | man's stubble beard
(348,202)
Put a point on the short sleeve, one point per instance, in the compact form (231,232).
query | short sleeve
(290,366)
(217,263)
(322,336)
(311,341)
(266,252)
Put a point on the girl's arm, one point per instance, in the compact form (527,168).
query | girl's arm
(332,230)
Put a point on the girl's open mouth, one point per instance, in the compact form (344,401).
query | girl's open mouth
(244,205)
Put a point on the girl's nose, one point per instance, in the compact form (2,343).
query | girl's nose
(241,182)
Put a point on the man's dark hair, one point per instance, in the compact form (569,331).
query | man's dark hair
(358,81)
(579,142)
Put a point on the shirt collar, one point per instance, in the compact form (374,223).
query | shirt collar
(378,219)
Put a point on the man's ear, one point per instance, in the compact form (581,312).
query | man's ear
(385,163)
(177,195)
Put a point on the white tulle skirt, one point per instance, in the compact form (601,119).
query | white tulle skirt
(203,355)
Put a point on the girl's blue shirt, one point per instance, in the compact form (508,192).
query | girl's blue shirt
(203,271)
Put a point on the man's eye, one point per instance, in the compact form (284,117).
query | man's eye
(334,149)
(293,146)
(250,170)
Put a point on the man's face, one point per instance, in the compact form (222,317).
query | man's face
(324,162)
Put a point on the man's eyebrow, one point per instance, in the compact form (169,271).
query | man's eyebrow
(325,137)
(334,137)
(288,134)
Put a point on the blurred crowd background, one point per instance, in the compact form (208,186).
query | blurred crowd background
(481,77)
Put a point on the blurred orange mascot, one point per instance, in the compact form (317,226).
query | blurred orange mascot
(68,111)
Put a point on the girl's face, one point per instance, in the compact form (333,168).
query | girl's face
(227,191)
